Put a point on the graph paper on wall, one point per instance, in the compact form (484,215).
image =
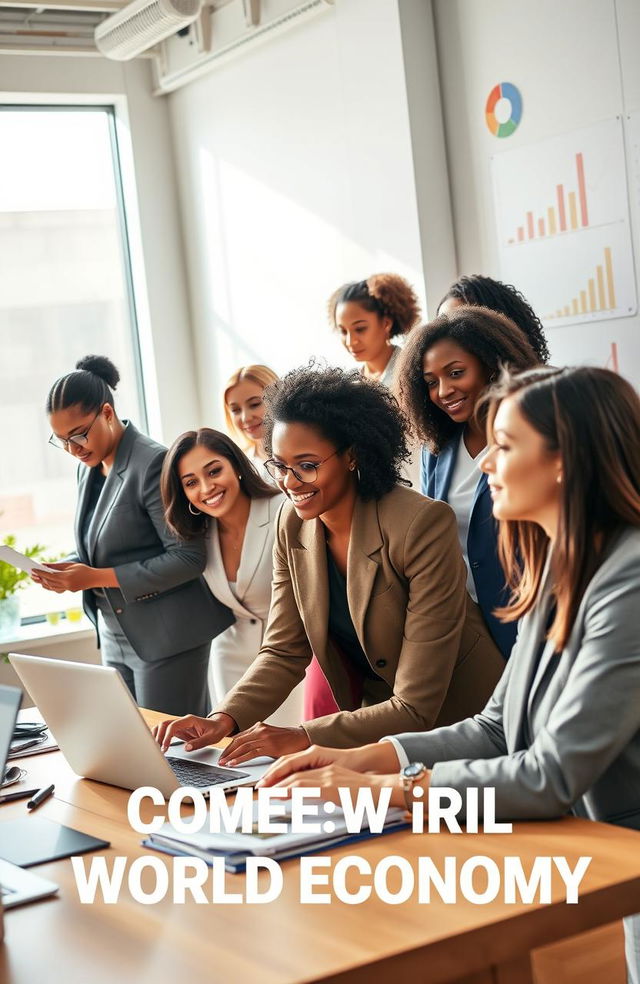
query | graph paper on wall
(562,216)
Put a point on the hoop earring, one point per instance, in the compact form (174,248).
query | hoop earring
(194,512)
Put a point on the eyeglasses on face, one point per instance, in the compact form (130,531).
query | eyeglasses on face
(304,471)
(76,440)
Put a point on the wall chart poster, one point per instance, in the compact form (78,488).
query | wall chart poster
(563,225)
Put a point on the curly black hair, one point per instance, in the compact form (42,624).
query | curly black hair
(486,292)
(493,339)
(351,412)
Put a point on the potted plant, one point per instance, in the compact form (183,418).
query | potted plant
(11,581)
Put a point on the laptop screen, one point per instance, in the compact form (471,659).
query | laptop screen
(10,698)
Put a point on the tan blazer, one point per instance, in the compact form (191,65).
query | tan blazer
(420,630)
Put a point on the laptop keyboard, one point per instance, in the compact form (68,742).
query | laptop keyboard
(197,774)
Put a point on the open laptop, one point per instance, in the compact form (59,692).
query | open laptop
(103,735)
(16,884)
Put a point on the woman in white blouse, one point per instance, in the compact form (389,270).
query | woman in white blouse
(442,374)
(209,484)
(244,411)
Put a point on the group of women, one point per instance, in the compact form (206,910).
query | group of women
(401,606)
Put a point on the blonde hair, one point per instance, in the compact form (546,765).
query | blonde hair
(261,376)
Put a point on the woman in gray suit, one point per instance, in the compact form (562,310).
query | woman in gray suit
(142,587)
(561,732)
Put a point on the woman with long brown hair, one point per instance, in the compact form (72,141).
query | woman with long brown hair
(209,488)
(561,733)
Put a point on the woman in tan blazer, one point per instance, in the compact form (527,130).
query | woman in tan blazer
(368,576)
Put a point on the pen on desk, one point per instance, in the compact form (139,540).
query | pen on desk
(20,747)
(20,794)
(40,797)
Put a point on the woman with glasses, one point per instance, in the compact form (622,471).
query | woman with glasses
(368,576)
(209,487)
(142,587)
(561,733)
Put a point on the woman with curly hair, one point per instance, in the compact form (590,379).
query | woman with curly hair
(443,372)
(368,314)
(476,290)
(244,410)
(367,575)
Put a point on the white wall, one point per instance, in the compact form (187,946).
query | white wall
(296,172)
(165,322)
(576,63)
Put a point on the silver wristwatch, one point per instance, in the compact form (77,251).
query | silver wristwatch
(408,776)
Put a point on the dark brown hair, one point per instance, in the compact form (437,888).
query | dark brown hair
(592,418)
(388,294)
(493,294)
(493,339)
(177,516)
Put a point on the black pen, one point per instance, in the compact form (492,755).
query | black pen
(40,797)
(20,794)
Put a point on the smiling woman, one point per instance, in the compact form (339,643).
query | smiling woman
(244,409)
(367,576)
(442,374)
(142,588)
(210,487)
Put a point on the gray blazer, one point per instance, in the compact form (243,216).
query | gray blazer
(163,605)
(564,735)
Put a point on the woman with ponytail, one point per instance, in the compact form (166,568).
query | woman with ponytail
(369,314)
(142,587)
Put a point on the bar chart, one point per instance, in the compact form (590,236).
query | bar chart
(563,227)
(569,211)
(598,294)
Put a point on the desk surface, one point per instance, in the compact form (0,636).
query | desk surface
(61,939)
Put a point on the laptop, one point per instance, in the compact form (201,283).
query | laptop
(103,735)
(16,885)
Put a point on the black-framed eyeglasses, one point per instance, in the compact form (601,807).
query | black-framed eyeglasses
(305,471)
(79,440)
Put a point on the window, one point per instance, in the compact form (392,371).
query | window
(65,292)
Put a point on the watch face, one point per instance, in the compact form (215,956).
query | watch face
(413,769)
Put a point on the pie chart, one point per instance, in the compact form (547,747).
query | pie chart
(504,98)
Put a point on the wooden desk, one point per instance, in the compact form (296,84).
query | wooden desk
(60,940)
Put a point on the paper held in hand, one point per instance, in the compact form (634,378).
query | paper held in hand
(16,559)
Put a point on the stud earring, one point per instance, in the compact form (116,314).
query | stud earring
(239,477)
(559,479)
(194,512)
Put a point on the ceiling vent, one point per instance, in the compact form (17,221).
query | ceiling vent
(142,24)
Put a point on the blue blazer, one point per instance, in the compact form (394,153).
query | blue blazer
(436,472)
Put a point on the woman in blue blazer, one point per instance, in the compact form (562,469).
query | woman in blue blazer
(142,587)
(561,733)
(442,374)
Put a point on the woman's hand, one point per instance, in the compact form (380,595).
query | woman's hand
(264,739)
(333,777)
(66,577)
(379,758)
(75,577)
(196,732)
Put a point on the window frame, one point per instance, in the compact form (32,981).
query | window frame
(128,227)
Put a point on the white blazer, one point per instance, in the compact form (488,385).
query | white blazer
(234,650)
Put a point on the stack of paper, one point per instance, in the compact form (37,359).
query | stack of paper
(237,847)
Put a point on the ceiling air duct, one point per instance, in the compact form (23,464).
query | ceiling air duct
(141,25)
